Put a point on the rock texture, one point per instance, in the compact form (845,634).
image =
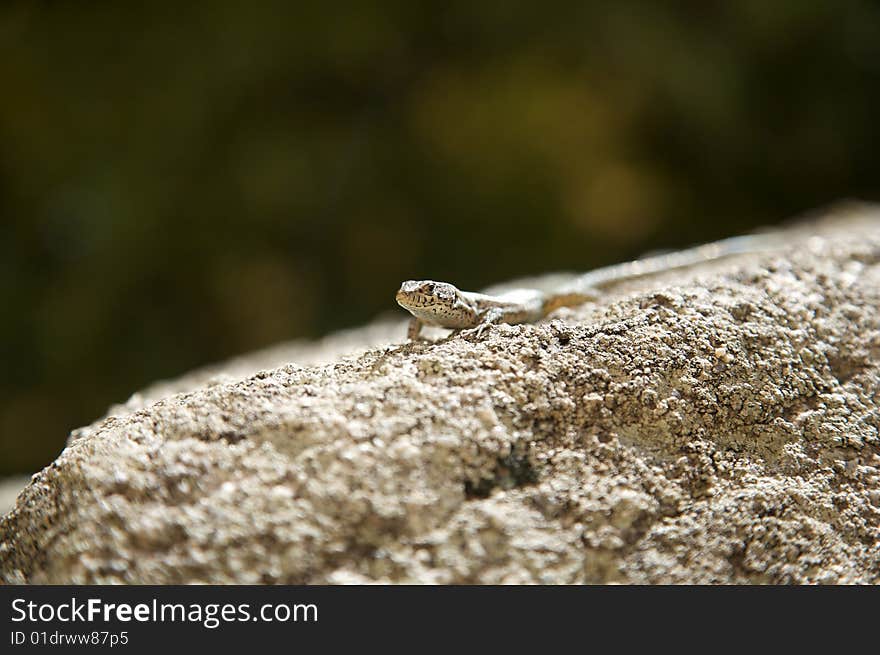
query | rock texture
(715,425)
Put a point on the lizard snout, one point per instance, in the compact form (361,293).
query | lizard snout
(404,294)
(413,292)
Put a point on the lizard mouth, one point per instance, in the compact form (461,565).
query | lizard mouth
(413,301)
(408,294)
(405,299)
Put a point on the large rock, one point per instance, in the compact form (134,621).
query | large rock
(711,425)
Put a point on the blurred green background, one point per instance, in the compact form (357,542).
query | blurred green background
(184,182)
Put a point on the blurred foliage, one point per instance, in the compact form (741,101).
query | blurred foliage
(181,182)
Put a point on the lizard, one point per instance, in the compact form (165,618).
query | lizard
(443,305)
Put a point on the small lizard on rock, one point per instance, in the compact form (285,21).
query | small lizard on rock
(443,305)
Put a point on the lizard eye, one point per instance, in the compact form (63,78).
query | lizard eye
(429,288)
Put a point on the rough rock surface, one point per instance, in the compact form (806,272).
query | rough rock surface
(712,425)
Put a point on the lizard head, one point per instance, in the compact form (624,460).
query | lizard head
(436,303)
(423,294)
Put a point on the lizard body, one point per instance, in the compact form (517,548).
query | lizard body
(443,305)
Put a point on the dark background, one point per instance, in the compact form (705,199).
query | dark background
(184,182)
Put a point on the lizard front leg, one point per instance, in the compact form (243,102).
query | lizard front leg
(492,316)
(414,329)
(528,307)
